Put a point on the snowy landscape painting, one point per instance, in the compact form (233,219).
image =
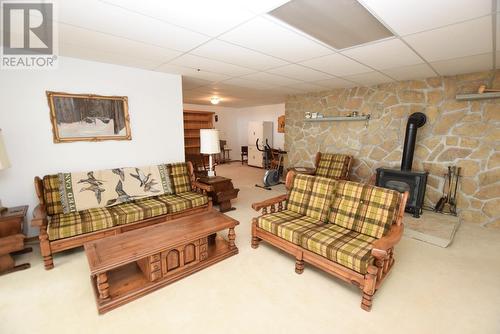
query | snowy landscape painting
(83,117)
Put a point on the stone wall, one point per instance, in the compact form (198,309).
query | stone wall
(463,133)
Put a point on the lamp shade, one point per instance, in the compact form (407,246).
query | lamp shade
(4,159)
(209,141)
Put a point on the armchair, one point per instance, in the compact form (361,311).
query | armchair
(330,165)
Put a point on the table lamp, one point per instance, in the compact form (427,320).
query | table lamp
(4,162)
(209,144)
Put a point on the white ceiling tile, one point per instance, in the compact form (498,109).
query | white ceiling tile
(90,41)
(419,71)
(150,33)
(260,6)
(411,16)
(248,83)
(228,88)
(191,83)
(210,65)
(468,64)
(236,55)
(192,73)
(207,17)
(370,78)
(299,72)
(307,87)
(287,90)
(385,54)
(113,20)
(335,83)
(336,64)
(206,91)
(76,51)
(271,79)
(459,40)
(169,68)
(237,97)
(270,38)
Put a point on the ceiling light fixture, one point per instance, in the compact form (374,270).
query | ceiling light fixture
(215,100)
(340,24)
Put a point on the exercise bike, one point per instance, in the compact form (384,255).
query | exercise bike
(274,168)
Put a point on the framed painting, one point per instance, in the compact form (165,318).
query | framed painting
(84,117)
(281,124)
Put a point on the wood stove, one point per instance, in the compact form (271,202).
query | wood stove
(413,182)
(405,179)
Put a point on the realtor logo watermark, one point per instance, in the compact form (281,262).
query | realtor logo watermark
(28,35)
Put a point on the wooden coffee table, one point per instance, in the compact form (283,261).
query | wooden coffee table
(221,191)
(129,265)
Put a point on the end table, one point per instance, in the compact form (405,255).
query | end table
(222,191)
(12,224)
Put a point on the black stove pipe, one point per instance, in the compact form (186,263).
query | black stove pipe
(415,121)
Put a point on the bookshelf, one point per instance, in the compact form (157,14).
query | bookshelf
(193,122)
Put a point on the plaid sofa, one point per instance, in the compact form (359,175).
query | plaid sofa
(336,219)
(63,225)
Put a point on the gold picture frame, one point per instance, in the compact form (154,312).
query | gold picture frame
(88,117)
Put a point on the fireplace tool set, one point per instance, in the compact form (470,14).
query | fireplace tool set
(448,203)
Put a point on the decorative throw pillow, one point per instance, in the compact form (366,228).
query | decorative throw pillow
(333,166)
(180,178)
(364,208)
(311,196)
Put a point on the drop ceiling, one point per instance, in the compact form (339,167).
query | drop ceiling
(234,49)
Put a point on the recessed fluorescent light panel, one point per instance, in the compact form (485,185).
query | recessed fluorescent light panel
(338,23)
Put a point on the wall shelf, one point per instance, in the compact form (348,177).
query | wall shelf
(474,96)
(365,118)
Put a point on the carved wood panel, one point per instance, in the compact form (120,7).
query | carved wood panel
(172,260)
(189,253)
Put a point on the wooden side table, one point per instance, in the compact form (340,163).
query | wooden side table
(222,191)
(12,225)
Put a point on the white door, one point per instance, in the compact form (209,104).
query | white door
(267,133)
(255,130)
(254,157)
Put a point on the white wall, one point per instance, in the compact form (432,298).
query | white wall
(155,108)
(262,113)
(233,123)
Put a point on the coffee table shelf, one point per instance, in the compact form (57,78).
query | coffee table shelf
(156,256)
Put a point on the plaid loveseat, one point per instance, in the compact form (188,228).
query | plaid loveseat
(336,225)
(60,231)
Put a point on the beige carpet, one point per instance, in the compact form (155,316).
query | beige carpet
(431,290)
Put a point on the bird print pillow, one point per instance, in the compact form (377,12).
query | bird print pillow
(94,189)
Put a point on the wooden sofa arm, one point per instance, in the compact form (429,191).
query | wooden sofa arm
(39,217)
(381,246)
(269,202)
(202,186)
